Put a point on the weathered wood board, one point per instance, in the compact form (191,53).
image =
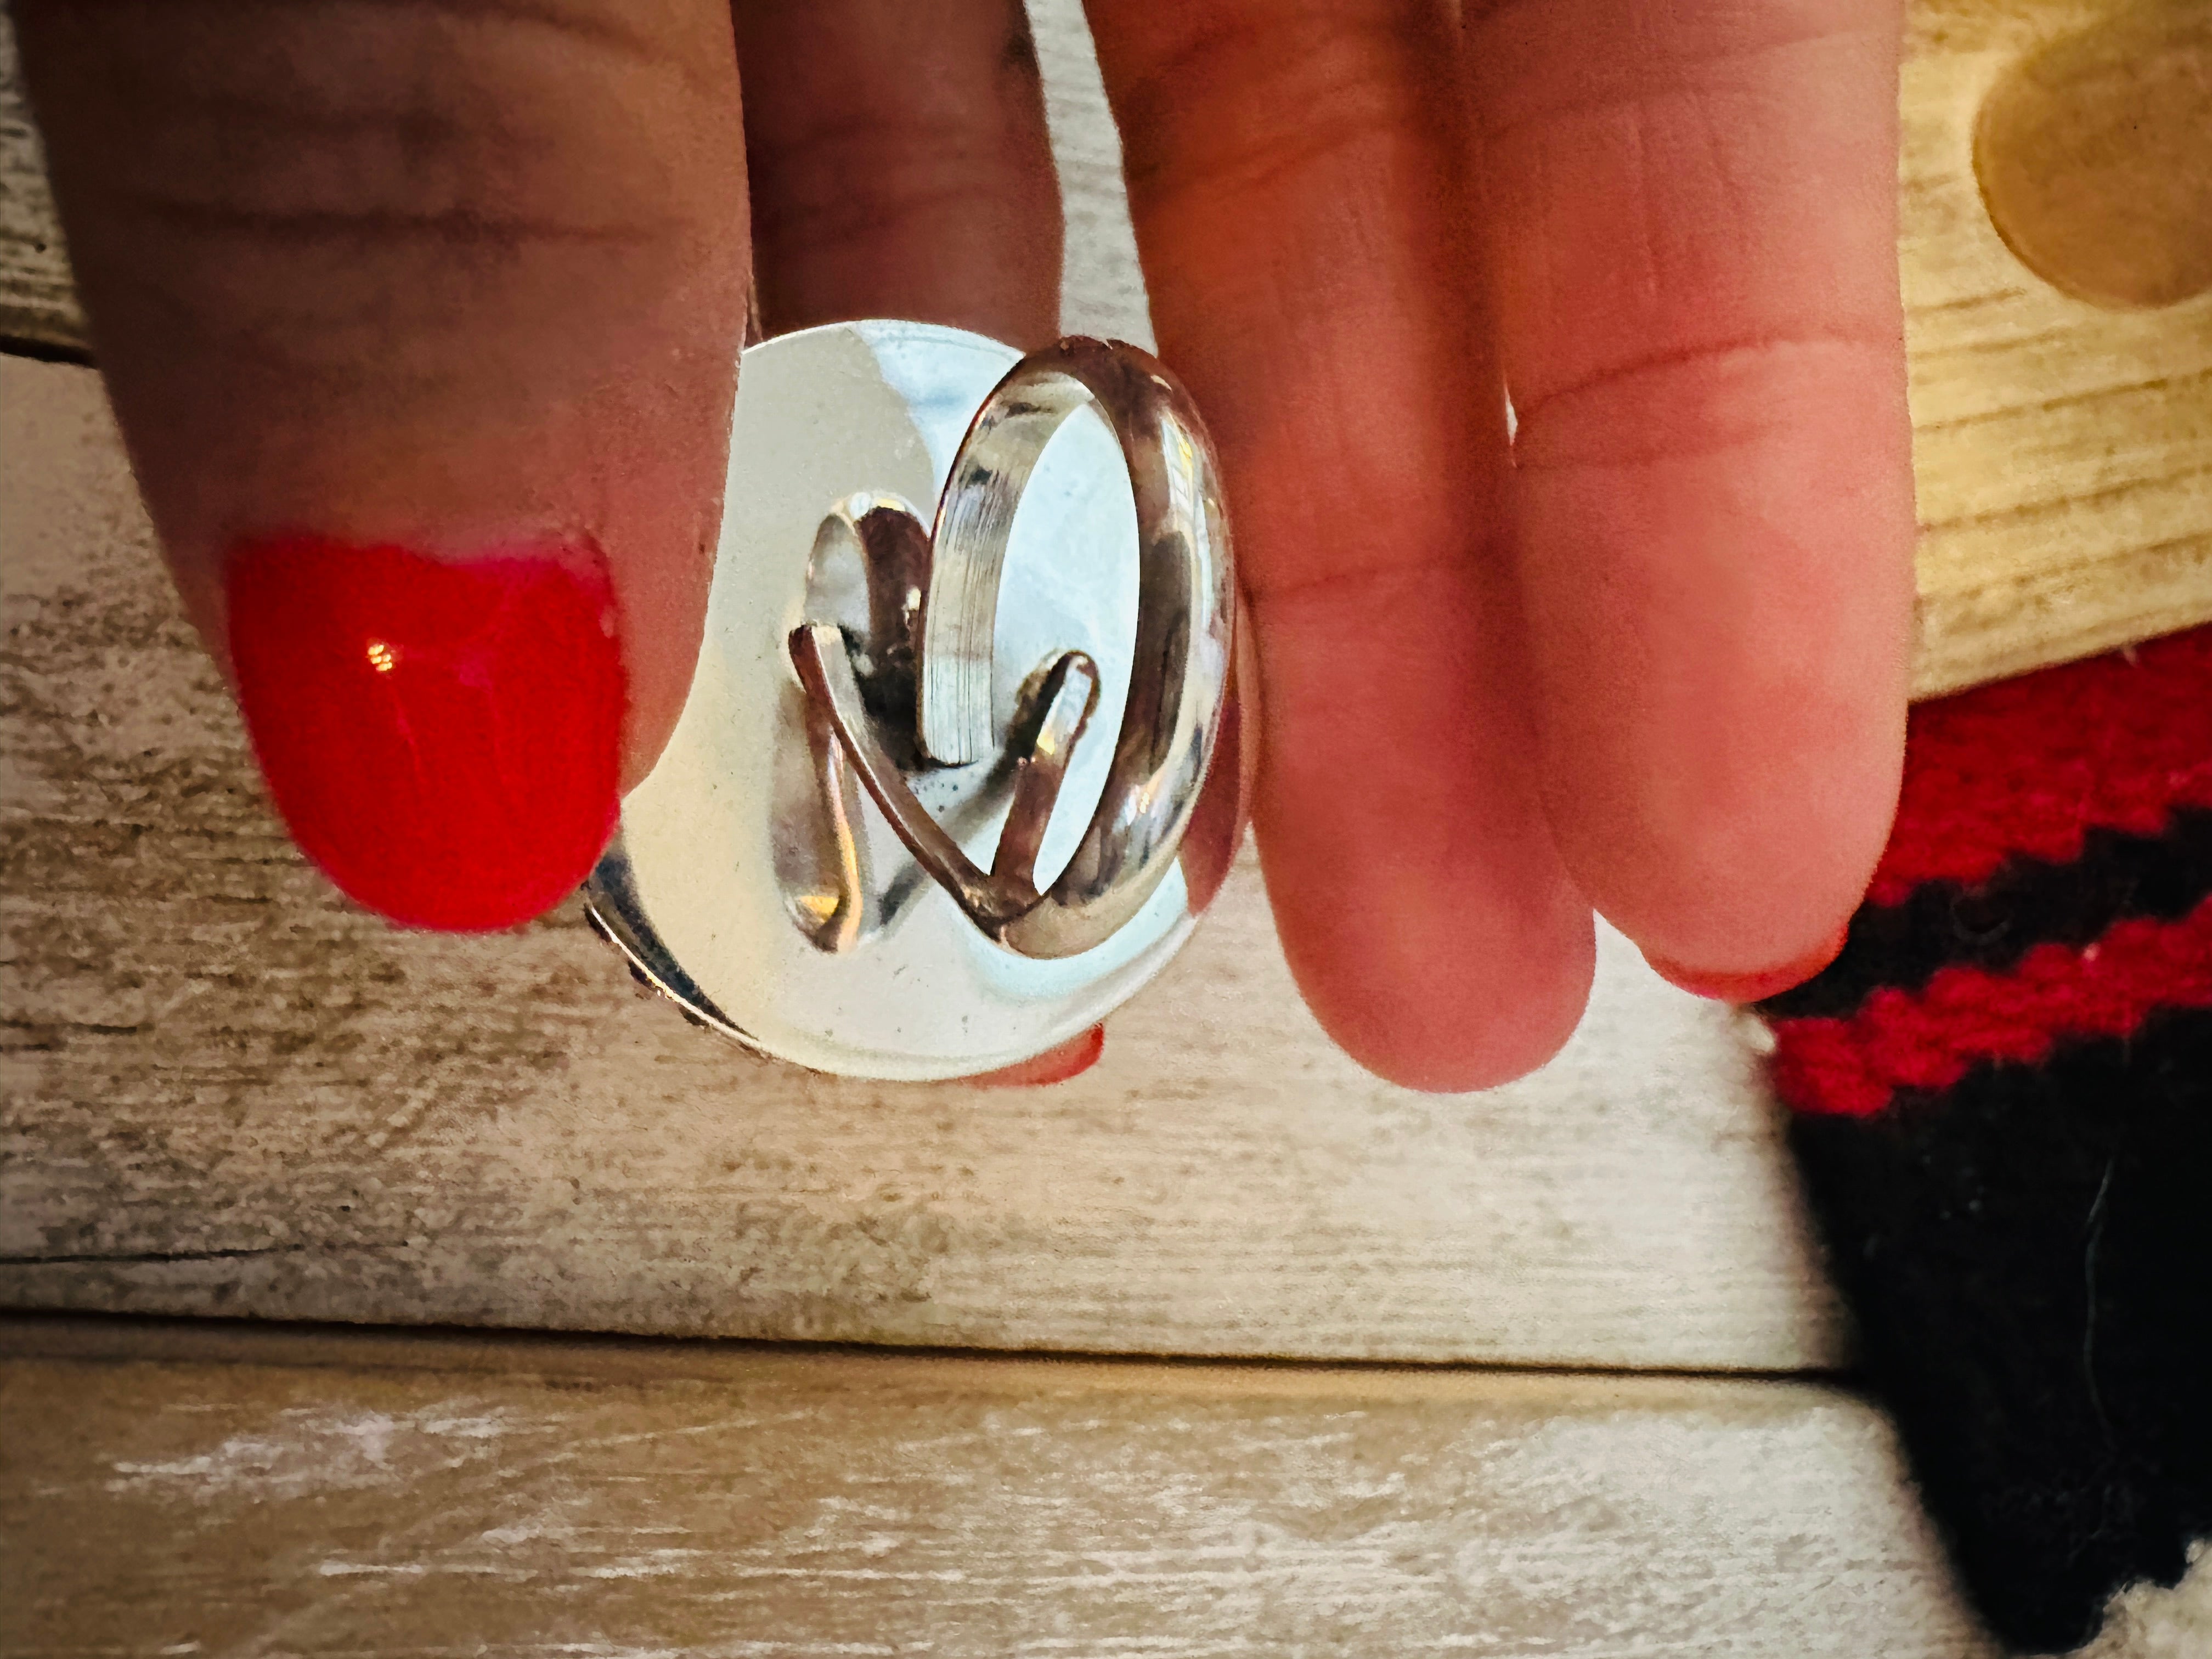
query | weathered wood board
(225,1092)
(2064,448)
(216,1490)
(268,1494)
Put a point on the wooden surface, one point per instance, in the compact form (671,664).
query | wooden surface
(226,1092)
(272,1495)
(2061,445)
(248,1492)
(2063,449)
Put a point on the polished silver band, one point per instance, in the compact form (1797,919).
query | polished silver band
(1185,617)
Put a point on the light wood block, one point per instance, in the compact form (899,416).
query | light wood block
(2063,448)
(268,1494)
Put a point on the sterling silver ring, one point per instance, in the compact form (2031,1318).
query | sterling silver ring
(944,793)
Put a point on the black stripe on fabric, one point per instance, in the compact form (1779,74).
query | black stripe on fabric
(2029,1257)
(1995,924)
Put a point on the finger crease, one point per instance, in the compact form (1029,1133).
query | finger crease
(1304,92)
(1376,585)
(833,217)
(456,226)
(1660,366)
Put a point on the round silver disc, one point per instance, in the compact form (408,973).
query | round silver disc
(774,902)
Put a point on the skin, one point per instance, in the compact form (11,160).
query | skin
(449,272)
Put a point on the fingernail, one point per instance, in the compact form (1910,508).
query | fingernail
(1071,1058)
(1752,987)
(441,735)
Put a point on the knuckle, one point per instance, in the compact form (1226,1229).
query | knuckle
(867,176)
(924,115)
(1244,95)
(1699,400)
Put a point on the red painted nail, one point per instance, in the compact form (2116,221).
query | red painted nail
(1748,988)
(1071,1058)
(441,735)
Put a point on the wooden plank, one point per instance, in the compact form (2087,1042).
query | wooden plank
(168,1493)
(2061,447)
(1102,290)
(224,1093)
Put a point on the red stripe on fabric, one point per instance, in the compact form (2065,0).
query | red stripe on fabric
(1928,1039)
(2025,766)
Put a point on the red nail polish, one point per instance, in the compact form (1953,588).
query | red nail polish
(1751,986)
(442,736)
(1071,1060)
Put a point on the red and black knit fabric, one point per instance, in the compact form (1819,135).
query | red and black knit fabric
(2001,1097)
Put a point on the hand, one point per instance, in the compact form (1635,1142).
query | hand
(420,319)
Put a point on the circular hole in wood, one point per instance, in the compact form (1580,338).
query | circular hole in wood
(2095,157)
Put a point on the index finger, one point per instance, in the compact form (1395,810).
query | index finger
(422,324)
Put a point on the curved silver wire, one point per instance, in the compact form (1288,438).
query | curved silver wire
(992,898)
(1185,617)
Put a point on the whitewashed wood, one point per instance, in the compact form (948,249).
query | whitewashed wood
(245,1494)
(225,1092)
(2149,1621)
(1102,289)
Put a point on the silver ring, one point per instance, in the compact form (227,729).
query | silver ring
(1186,608)
(951,782)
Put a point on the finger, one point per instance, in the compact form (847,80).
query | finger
(1692,216)
(420,322)
(900,164)
(900,168)
(1296,181)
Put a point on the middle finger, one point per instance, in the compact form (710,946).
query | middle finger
(900,165)
(1296,179)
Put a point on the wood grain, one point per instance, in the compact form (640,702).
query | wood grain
(267,1494)
(2095,153)
(225,1092)
(2063,449)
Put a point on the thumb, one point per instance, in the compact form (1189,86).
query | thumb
(421,323)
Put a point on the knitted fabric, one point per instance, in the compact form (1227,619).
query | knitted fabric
(2001,1109)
